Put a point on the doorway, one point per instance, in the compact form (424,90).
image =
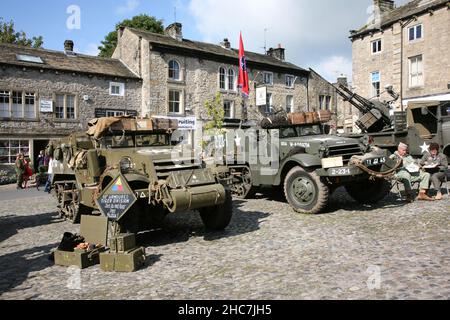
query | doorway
(38,145)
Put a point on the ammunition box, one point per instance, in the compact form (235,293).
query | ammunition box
(129,261)
(123,242)
(80,259)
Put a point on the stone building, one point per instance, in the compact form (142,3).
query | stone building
(180,75)
(47,94)
(407,47)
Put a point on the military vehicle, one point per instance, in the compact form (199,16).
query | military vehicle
(124,169)
(421,124)
(310,164)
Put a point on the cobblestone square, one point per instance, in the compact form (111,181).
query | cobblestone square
(392,250)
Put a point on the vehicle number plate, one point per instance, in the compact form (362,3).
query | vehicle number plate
(340,171)
(375,161)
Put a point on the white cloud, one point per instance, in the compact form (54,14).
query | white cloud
(333,67)
(91,49)
(314,33)
(128,7)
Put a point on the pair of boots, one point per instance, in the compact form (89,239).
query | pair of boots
(421,197)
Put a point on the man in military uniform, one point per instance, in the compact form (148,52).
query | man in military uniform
(409,173)
(20,170)
(437,165)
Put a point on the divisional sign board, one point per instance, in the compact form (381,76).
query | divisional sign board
(116,199)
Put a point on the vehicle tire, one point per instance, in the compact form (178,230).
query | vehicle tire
(305,192)
(217,218)
(369,191)
(244,189)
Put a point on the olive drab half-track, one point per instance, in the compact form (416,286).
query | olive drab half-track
(307,163)
(129,170)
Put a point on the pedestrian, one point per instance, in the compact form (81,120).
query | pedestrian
(40,160)
(409,173)
(27,173)
(19,165)
(48,184)
(436,164)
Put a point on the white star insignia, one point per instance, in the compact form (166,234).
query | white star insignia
(424,147)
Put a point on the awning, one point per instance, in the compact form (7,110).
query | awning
(441,97)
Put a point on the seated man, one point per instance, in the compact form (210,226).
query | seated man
(437,165)
(410,172)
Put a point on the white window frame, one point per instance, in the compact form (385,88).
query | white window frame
(231,79)
(291,104)
(222,73)
(372,88)
(18,110)
(417,73)
(180,102)
(170,68)
(379,46)
(292,81)
(414,28)
(121,87)
(5,94)
(231,102)
(324,102)
(65,106)
(12,155)
(266,76)
(269,102)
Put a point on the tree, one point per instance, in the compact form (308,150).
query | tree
(214,125)
(9,35)
(141,22)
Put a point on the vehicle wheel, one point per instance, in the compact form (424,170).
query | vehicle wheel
(218,217)
(369,191)
(305,192)
(244,189)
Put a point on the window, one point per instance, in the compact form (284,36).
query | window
(4,104)
(30,110)
(117,89)
(27,58)
(231,80)
(174,70)
(376,46)
(222,78)
(269,103)
(415,71)
(228,107)
(415,32)
(375,83)
(112,113)
(268,78)
(324,102)
(17,108)
(10,148)
(174,101)
(290,81)
(65,106)
(289,104)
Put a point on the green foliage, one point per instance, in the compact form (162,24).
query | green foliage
(9,35)
(216,113)
(141,22)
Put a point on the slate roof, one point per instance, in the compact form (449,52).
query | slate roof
(161,42)
(410,9)
(56,60)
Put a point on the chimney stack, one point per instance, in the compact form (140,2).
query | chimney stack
(68,46)
(384,5)
(175,31)
(342,80)
(225,44)
(277,53)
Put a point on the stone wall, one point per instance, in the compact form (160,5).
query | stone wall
(48,83)
(393,61)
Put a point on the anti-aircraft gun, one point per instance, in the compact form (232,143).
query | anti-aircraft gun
(129,170)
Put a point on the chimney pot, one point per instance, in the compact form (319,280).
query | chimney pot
(225,44)
(175,31)
(68,46)
(277,53)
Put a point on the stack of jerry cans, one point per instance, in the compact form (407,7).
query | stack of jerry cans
(123,256)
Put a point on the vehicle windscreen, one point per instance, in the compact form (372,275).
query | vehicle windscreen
(152,140)
(300,131)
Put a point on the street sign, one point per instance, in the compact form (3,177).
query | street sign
(116,199)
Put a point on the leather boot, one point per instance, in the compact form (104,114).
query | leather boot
(410,196)
(423,196)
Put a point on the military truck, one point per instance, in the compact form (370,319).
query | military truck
(309,165)
(124,168)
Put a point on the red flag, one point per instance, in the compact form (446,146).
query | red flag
(243,73)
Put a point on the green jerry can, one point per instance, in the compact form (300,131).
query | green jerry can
(123,242)
(128,261)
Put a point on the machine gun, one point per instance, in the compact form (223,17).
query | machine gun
(375,114)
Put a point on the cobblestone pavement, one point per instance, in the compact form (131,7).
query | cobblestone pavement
(390,251)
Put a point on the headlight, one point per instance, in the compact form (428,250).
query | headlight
(126,164)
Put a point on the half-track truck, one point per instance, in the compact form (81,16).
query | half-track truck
(125,169)
(308,164)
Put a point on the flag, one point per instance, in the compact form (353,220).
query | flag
(243,73)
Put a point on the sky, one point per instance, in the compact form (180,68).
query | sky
(313,32)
